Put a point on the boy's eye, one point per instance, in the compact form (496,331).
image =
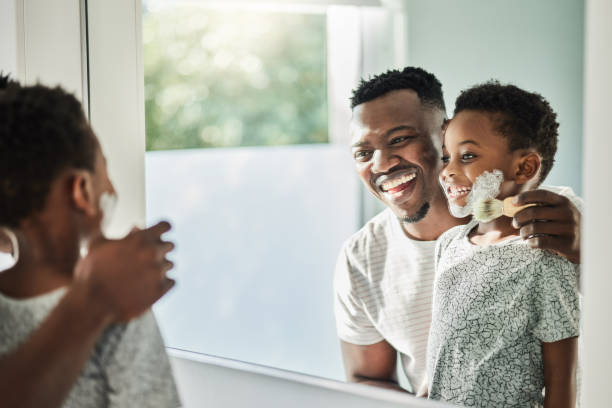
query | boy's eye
(467,156)
(445,159)
(361,155)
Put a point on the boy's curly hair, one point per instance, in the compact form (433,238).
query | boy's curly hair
(43,131)
(524,118)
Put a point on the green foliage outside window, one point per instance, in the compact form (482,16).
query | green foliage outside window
(221,78)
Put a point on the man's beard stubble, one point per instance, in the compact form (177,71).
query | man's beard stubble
(416,217)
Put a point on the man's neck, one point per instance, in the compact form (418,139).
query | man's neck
(437,221)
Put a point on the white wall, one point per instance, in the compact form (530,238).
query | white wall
(537,45)
(8,37)
(597,277)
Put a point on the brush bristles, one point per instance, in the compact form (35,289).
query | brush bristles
(489,209)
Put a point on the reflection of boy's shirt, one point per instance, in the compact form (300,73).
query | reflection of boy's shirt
(493,307)
(128,367)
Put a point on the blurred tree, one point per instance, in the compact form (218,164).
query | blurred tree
(220,78)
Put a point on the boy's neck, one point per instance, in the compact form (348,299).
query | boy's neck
(498,230)
(40,269)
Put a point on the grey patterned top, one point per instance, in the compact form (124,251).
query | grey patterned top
(493,307)
(129,366)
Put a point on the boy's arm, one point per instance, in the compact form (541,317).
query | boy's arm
(559,360)
(117,281)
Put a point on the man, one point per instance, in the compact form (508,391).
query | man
(385,272)
(52,183)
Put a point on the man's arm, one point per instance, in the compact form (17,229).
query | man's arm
(553,224)
(373,364)
(559,360)
(117,281)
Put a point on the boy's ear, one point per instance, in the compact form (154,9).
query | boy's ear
(528,167)
(82,192)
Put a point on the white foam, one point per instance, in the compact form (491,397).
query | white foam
(485,187)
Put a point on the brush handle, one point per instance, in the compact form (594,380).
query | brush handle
(510,209)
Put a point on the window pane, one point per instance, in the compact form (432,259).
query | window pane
(260,219)
(253,78)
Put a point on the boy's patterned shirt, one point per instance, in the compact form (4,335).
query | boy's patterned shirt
(493,307)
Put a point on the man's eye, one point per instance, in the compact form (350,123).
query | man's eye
(361,155)
(400,139)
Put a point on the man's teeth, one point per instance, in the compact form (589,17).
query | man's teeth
(388,185)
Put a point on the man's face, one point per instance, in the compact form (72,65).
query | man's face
(396,146)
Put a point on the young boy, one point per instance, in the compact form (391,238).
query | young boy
(54,188)
(505,316)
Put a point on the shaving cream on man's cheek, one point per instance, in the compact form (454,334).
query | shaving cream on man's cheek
(485,187)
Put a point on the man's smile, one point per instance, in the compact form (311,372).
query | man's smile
(398,185)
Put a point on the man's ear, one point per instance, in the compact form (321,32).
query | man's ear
(528,167)
(82,193)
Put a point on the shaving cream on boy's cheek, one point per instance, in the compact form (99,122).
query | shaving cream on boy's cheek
(14,242)
(485,187)
(108,203)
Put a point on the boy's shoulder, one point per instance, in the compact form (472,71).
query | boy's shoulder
(454,233)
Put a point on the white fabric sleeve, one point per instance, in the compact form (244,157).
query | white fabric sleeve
(568,193)
(353,325)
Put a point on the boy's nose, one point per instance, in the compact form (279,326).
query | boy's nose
(447,172)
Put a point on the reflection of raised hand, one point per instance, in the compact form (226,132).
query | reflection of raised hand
(123,278)
(553,224)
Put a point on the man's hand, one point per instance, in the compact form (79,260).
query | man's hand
(553,224)
(123,278)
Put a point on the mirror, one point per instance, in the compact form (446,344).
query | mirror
(262,195)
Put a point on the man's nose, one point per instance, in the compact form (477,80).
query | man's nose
(384,161)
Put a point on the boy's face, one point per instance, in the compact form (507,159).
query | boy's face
(471,147)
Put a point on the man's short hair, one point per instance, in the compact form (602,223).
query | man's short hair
(524,118)
(426,86)
(43,131)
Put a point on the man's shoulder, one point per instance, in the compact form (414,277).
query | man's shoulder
(567,192)
(376,232)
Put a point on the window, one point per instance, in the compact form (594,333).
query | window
(209,84)
(240,160)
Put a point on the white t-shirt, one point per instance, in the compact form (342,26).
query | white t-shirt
(383,290)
